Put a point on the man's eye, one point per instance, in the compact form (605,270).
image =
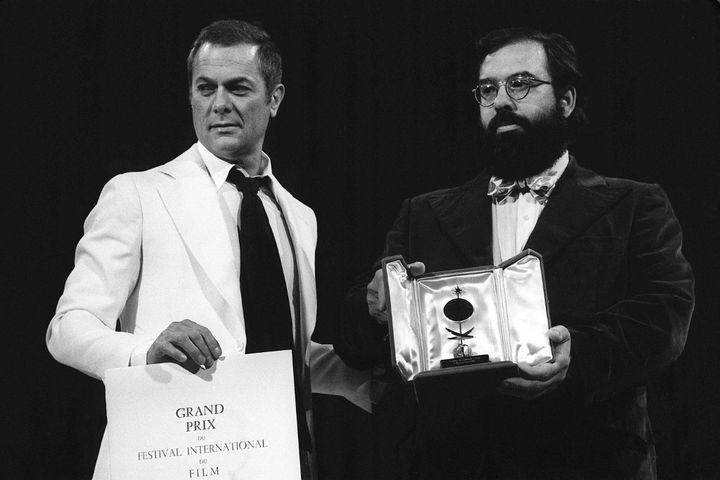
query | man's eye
(487,89)
(518,83)
(205,89)
(240,90)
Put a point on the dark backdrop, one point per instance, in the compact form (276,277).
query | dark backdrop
(378,107)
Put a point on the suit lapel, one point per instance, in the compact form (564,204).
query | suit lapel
(466,217)
(192,202)
(580,198)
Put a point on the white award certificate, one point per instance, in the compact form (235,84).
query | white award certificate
(235,420)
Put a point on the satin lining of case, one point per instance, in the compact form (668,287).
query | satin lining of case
(485,322)
(407,335)
(527,312)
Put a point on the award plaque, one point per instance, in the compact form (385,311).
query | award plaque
(467,329)
(234,420)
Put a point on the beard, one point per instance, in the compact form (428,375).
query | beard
(523,153)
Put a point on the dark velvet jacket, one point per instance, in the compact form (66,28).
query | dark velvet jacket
(616,278)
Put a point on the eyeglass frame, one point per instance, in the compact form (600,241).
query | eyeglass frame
(503,83)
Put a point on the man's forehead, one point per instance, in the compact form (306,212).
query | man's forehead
(241,57)
(523,56)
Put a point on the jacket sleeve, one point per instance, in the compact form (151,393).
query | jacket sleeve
(360,340)
(639,335)
(107,263)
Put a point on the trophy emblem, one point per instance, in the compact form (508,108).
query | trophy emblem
(458,310)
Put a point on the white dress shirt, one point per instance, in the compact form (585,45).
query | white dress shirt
(514,219)
(230,202)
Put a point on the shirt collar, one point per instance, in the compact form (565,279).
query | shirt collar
(219,168)
(548,177)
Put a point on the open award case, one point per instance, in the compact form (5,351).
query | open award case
(460,332)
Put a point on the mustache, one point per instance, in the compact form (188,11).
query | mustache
(505,117)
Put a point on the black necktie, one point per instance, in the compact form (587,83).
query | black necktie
(264,294)
(266,307)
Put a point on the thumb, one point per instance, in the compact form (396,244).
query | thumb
(559,336)
(416,268)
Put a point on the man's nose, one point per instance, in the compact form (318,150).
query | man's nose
(221,102)
(503,101)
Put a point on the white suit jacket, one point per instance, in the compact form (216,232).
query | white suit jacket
(156,249)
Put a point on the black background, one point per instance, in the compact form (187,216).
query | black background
(378,107)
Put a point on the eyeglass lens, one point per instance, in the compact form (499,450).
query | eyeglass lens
(516,87)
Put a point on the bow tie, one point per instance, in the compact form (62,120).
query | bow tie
(540,188)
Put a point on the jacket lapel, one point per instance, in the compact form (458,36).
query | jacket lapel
(192,202)
(466,217)
(579,199)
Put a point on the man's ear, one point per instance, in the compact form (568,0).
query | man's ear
(276,98)
(567,101)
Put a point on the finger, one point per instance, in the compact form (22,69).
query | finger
(187,345)
(416,268)
(375,297)
(370,296)
(381,304)
(560,340)
(185,324)
(554,369)
(205,352)
(542,372)
(163,352)
(188,364)
(207,344)
(381,316)
(561,352)
(559,336)
(376,282)
(212,344)
(199,338)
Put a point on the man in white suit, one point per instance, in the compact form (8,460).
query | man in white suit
(161,249)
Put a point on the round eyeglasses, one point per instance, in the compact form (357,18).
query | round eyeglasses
(516,86)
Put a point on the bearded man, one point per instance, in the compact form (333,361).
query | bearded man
(620,291)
